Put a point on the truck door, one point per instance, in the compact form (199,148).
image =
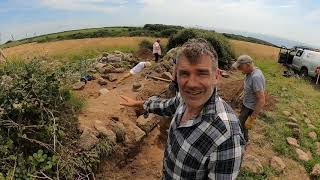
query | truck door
(283,55)
(297,60)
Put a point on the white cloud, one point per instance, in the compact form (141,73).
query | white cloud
(313,16)
(260,16)
(106,6)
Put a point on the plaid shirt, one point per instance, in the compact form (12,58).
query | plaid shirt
(209,146)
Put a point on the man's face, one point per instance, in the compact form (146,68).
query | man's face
(244,68)
(196,81)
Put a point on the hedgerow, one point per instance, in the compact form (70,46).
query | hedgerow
(38,125)
(218,41)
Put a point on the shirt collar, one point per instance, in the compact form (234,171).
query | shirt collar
(209,109)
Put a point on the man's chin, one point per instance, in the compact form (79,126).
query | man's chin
(194,103)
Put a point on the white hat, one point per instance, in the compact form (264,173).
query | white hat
(243,59)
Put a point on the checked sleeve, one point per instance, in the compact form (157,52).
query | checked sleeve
(165,107)
(225,161)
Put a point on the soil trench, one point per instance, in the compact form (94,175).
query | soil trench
(145,161)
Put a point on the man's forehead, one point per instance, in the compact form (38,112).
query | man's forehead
(203,60)
(195,66)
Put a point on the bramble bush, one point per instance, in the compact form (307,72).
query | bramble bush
(145,44)
(218,41)
(38,125)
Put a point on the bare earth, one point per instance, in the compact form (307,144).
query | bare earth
(144,162)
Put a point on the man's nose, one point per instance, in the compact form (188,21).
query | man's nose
(192,81)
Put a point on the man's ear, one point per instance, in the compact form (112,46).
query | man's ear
(217,76)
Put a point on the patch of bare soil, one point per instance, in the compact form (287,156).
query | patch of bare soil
(146,165)
(143,160)
(143,54)
(231,92)
(134,158)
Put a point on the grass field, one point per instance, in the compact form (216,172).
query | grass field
(75,49)
(301,96)
(63,34)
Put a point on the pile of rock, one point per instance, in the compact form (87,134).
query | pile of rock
(118,133)
(116,56)
(164,66)
(115,62)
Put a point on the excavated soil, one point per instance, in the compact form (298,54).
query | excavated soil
(143,160)
(144,54)
(230,91)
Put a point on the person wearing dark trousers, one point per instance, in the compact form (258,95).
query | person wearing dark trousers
(156,50)
(254,93)
(244,115)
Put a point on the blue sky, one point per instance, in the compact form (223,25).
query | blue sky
(292,19)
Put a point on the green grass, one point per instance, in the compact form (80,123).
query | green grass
(61,35)
(150,30)
(301,97)
(77,102)
(88,53)
(247,175)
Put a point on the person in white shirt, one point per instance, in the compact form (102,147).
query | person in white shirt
(135,70)
(156,50)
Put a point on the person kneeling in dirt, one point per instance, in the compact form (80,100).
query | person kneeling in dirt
(205,139)
(254,93)
(135,70)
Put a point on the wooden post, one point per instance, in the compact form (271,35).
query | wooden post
(158,78)
(2,55)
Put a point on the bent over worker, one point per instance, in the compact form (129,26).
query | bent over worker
(135,70)
(204,138)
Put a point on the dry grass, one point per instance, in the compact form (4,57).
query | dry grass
(254,50)
(69,49)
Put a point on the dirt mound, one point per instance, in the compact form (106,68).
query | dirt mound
(231,92)
(143,54)
(154,88)
(147,165)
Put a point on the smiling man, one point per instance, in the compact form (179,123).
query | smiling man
(205,139)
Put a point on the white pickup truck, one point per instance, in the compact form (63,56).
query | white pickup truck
(304,61)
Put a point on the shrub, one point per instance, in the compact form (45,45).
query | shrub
(218,41)
(160,27)
(38,128)
(142,32)
(145,44)
(10,41)
(168,32)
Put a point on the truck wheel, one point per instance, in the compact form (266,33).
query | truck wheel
(304,72)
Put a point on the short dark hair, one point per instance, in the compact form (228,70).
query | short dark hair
(193,49)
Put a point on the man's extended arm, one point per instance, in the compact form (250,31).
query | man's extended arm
(166,107)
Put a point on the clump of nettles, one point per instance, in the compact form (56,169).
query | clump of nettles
(37,124)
